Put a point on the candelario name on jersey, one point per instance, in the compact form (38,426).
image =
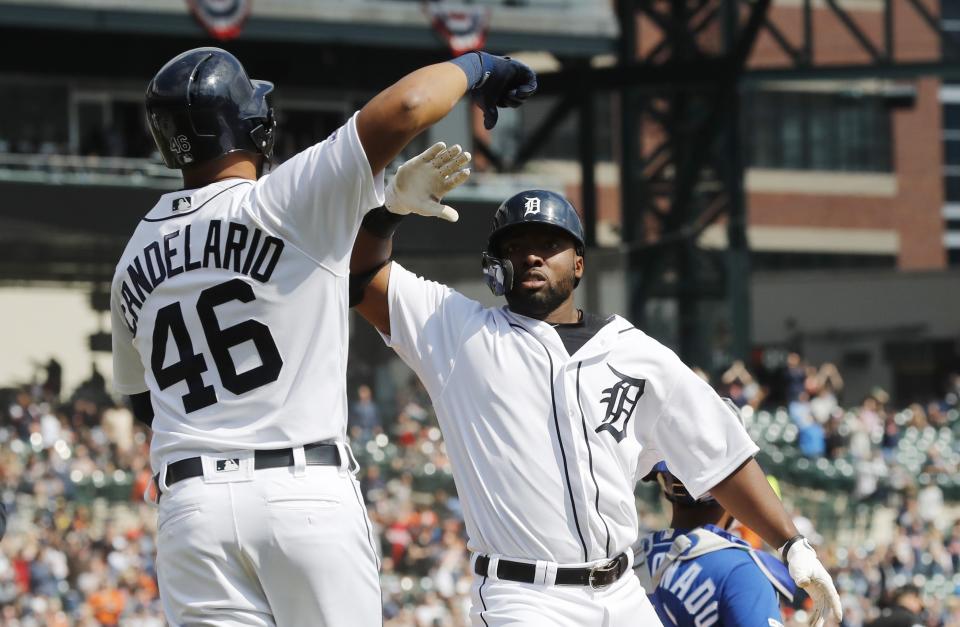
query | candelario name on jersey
(225,245)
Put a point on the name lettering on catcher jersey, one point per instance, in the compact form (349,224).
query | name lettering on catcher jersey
(621,399)
(699,601)
(225,245)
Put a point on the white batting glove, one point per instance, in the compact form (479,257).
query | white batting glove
(423,181)
(808,572)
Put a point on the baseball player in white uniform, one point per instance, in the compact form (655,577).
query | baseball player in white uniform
(551,415)
(230,335)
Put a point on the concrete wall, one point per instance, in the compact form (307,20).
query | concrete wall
(850,317)
(38,323)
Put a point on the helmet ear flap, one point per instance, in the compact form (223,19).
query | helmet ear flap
(497,273)
(264,135)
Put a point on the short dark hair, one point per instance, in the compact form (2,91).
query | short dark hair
(905,591)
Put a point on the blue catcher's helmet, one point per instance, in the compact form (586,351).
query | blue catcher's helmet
(201,105)
(673,488)
(535,206)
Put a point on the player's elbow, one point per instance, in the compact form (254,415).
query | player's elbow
(413,100)
(416,109)
(409,114)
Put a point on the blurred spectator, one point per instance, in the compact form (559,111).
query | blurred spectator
(905,611)
(795,374)
(740,386)
(952,397)
(870,471)
(364,414)
(80,543)
(117,426)
(54,380)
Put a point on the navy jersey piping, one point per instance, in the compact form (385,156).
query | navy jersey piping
(627,329)
(586,439)
(563,453)
(199,207)
(366,523)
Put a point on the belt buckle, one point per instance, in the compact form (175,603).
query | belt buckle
(603,570)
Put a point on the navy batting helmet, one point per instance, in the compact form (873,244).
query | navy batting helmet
(535,206)
(201,105)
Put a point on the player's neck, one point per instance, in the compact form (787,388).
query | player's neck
(566,313)
(236,165)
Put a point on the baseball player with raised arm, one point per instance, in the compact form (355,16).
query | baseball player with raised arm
(698,574)
(230,335)
(551,414)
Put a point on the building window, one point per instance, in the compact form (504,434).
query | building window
(951,151)
(949,11)
(951,171)
(791,130)
(33,116)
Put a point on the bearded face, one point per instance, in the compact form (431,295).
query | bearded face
(546,268)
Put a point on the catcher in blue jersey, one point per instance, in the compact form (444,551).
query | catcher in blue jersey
(699,574)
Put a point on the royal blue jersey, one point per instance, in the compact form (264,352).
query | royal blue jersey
(723,587)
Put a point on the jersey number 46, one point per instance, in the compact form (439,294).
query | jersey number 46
(192,365)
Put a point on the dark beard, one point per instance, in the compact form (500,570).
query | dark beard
(543,302)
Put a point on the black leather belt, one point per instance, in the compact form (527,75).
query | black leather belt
(315,454)
(599,576)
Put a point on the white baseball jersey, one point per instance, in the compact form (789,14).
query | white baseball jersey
(230,305)
(547,447)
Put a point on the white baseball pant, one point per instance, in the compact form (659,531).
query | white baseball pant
(285,547)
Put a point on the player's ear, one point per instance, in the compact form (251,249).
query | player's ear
(578,266)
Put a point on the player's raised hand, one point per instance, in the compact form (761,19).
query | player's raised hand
(422,182)
(808,573)
(504,82)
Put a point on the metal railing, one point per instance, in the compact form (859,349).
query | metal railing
(85,170)
(50,169)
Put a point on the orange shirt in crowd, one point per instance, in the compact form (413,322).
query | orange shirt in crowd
(107,605)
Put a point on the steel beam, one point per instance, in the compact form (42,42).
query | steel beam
(854,30)
(535,141)
(588,162)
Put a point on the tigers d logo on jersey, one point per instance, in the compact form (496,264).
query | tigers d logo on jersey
(621,399)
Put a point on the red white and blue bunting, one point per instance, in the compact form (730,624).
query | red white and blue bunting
(223,19)
(462,28)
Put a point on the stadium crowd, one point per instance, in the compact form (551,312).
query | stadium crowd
(80,543)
